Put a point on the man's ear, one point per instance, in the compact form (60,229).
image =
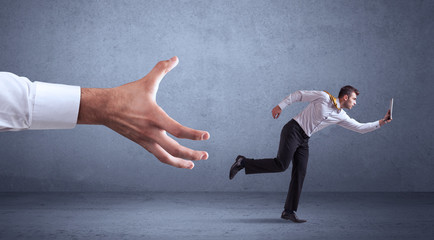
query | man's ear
(345,97)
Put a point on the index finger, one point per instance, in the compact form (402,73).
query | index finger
(178,130)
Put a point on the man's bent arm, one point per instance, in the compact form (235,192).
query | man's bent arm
(301,96)
(298,96)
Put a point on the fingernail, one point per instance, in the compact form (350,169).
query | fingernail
(190,165)
(204,136)
(204,157)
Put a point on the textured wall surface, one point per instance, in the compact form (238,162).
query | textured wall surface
(238,59)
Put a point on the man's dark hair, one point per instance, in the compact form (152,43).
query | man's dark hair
(347,90)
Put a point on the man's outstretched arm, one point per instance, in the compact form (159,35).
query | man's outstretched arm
(130,110)
(352,124)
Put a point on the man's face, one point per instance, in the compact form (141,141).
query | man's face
(349,101)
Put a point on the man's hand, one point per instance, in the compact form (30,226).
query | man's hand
(386,119)
(387,116)
(276,111)
(132,111)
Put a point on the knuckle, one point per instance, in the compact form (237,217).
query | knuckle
(177,151)
(164,159)
(161,65)
(146,145)
(177,132)
(197,156)
(180,165)
(197,136)
(148,135)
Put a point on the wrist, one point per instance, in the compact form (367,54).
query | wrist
(94,105)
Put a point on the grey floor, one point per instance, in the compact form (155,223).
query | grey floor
(214,216)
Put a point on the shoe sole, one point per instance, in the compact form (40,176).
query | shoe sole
(233,165)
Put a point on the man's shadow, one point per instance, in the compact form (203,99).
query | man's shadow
(261,220)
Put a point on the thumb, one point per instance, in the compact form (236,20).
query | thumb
(172,63)
(161,69)
(152,80)
(167,65)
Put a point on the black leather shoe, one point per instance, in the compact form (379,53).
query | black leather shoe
(236,167)
(291,216)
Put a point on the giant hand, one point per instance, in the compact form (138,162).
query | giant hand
(132,111)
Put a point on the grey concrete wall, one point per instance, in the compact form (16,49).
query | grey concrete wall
(238,59)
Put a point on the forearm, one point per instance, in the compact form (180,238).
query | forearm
(355,126)
(293,97)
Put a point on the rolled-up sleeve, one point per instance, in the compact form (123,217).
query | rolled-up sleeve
(301,96)
(36,105)
(352,124)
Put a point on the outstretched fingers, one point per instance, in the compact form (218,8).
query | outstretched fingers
(178,130)
(165,157)
(177,150)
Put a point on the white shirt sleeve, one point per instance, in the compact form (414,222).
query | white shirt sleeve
(352,124)
(36,105)
(301,96)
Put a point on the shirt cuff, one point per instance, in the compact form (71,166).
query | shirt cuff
(56,106)
(372,126)
(377,124)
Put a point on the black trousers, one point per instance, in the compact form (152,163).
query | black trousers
(293,147)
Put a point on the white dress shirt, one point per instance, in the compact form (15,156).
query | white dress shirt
(321,113)
(36,105)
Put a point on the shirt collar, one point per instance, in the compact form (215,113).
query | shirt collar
(338,104)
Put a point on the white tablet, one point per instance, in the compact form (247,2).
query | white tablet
(391,108)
